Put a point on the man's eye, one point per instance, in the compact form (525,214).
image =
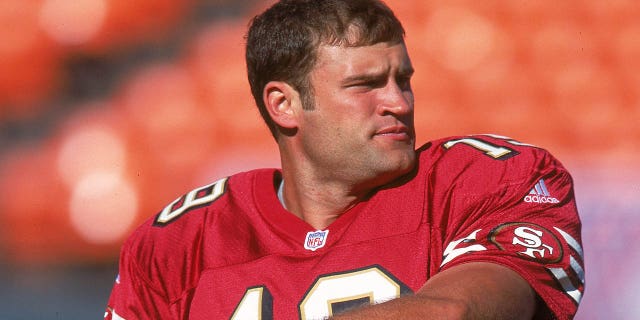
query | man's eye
(372,83)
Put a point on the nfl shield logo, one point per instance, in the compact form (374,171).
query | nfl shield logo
(316,240)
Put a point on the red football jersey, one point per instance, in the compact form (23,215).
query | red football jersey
(229,250)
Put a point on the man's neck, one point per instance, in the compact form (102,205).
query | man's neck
(318,204)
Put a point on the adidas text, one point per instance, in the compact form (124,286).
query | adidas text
(540,199)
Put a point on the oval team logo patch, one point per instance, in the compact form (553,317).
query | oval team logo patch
(527,240)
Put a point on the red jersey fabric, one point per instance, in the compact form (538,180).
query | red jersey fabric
(231,251)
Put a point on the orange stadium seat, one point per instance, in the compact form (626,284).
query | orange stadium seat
(29,61)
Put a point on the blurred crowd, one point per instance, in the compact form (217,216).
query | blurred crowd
(111,109)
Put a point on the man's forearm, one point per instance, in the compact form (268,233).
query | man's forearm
(469,291)
(409,307)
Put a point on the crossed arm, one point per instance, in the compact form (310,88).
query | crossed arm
(475,290)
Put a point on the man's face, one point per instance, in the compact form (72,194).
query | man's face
(361,128)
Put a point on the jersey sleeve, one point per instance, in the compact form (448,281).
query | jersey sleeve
(518,211)
(133,296)
(161,261)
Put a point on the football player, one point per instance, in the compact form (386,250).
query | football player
(358,223)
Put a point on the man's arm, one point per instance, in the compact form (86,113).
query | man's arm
(476,290)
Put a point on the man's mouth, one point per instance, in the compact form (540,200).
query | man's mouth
(397,132)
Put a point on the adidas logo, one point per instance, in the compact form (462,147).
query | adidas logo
(540,194)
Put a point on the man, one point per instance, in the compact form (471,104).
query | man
(358,224)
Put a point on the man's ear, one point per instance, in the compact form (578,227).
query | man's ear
(282,102)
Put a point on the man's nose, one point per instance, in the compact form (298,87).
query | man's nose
(396,100)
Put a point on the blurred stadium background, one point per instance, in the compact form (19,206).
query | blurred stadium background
(111,109)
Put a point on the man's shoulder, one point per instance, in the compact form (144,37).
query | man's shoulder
(191,233)
(486,158)
(493,146)
(202,212)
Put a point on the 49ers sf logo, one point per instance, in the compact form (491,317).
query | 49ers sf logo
(527,240)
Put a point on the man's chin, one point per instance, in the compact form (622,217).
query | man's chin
(403,164)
